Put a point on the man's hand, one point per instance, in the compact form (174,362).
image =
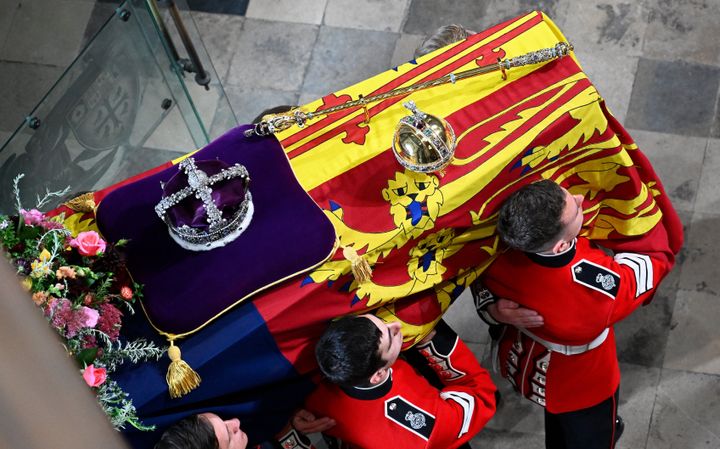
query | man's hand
(305,422)
(510,312)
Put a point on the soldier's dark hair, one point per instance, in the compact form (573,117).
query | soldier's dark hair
(193,432)
(349,351)
(531,218)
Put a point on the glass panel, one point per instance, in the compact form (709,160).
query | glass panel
(211,104)
(119,109)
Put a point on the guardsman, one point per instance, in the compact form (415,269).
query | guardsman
(379,400)
(568,364)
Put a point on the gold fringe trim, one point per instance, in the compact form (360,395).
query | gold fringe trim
(82,203)
(359,266)
(181,379)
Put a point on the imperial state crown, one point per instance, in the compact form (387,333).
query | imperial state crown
(206,204)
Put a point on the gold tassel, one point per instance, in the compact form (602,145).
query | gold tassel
(181,379)
(82,203)
(360,267)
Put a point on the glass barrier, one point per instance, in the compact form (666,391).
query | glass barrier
(211,103)
(123,106)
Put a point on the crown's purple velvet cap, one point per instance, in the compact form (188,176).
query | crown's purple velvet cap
(184,289)
(227,195)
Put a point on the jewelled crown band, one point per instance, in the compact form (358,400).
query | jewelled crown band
(206,211)
(298,117)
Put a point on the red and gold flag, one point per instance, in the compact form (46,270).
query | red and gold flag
(427,236)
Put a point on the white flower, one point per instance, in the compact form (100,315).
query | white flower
(4,224)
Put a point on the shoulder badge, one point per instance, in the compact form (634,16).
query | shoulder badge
(409,416)
(482,296)
(596,277)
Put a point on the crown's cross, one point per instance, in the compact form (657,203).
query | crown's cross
(199,184)
(418,115)
(198,180)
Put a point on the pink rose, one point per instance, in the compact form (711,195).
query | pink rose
(94,377)
(88,243)
(87,317)
(32,216)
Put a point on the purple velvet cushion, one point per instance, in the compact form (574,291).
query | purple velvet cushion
(184,289)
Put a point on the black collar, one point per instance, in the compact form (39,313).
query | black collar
(555,260)
(370,393)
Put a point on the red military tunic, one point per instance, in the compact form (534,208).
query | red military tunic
(580,294)
(405,411)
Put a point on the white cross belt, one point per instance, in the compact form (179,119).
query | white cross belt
(568,349)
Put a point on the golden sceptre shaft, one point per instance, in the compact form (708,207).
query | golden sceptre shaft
(282,122)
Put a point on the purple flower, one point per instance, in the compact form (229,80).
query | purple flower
(23,266)
(72,321)
(89,341)
(110,321)
(49,224)
(80,319)
(32,216)
(61,312)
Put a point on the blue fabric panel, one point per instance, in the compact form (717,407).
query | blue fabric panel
(243,375)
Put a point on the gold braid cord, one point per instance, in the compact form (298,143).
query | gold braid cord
(282,122)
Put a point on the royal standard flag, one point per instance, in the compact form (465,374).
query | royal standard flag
(426,237)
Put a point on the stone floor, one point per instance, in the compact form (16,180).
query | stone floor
(657,62)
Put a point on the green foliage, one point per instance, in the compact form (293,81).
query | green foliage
(82,298)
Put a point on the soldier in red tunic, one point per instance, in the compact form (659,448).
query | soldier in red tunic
(375,398)
(379,400)
(569,363)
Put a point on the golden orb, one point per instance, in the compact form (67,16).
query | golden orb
(422,142)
